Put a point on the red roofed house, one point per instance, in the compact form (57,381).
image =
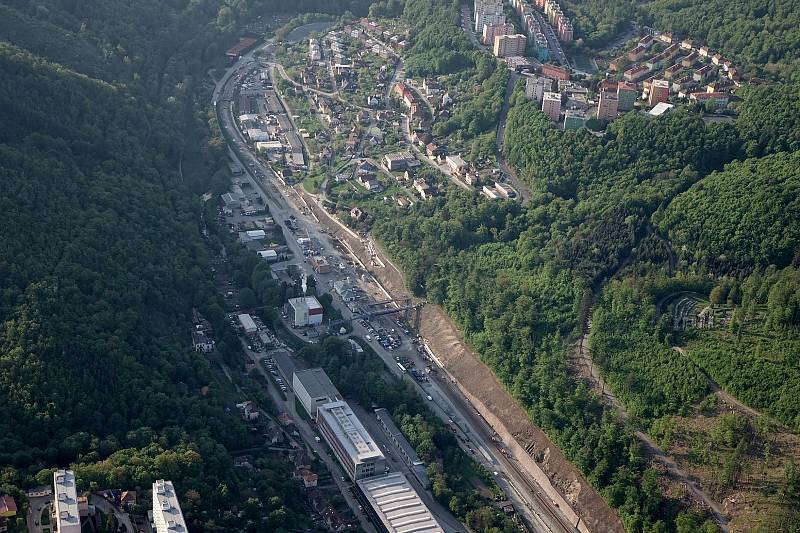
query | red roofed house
(8,508)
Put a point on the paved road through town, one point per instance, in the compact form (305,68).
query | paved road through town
(283,201)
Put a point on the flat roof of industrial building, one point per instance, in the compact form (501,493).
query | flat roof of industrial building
(349,431)
(317,384)
(168,506)
(65,499)
(309,303)
(397,504)
(247,321)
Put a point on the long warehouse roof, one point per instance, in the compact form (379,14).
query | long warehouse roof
(397,504)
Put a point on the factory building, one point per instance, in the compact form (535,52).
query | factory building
(305,311)
(247,323)
(313,388)
(355,449)
(394,506)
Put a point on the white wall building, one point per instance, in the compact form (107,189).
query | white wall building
(167,515)
(247,323)
(306,311)
(488,12)
(355,449)
(535,87)
(65,502)
(456,164)
(313,388)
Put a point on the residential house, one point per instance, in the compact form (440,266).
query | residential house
(456,164)
(433,150)
(201,342)
(422,187)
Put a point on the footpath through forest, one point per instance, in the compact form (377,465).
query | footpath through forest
(590,373)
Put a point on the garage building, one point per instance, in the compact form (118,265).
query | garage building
(247,323)
(313,388)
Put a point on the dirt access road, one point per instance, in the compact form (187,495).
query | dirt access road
(562,482)
(591,375)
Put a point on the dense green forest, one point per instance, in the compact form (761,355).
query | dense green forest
(630,343)
(605,188)
(756,356)
(597,22)
(103,258)
(438,45)
(743,216)
(760,36)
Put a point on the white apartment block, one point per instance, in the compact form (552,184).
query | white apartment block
(65,502)
(488,12)
(167,515)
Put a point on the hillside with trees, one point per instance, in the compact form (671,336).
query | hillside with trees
(103,259)
(761,36)
(488,265)
(739,218)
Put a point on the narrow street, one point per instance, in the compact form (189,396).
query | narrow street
(522,189)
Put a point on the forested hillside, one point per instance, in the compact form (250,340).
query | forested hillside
(743,216)
(103,259)
(518,280)
(489,264)
(762,36)
(607,187)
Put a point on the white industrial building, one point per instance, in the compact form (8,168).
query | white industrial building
(65,502)
(305,311)
(247,323)
(394,505)
(269,255)
(256,234)
(167,515)
(355,449)
(313,388)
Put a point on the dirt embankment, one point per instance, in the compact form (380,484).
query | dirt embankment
(557,476)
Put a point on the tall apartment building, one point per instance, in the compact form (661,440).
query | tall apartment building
(490,31)
(565,31)
(510,45)
(65,502)
(551,105)
(626,94)
(167,515)
(659,92)
(608,107)
(535,87)
(353,446)
(488,12)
